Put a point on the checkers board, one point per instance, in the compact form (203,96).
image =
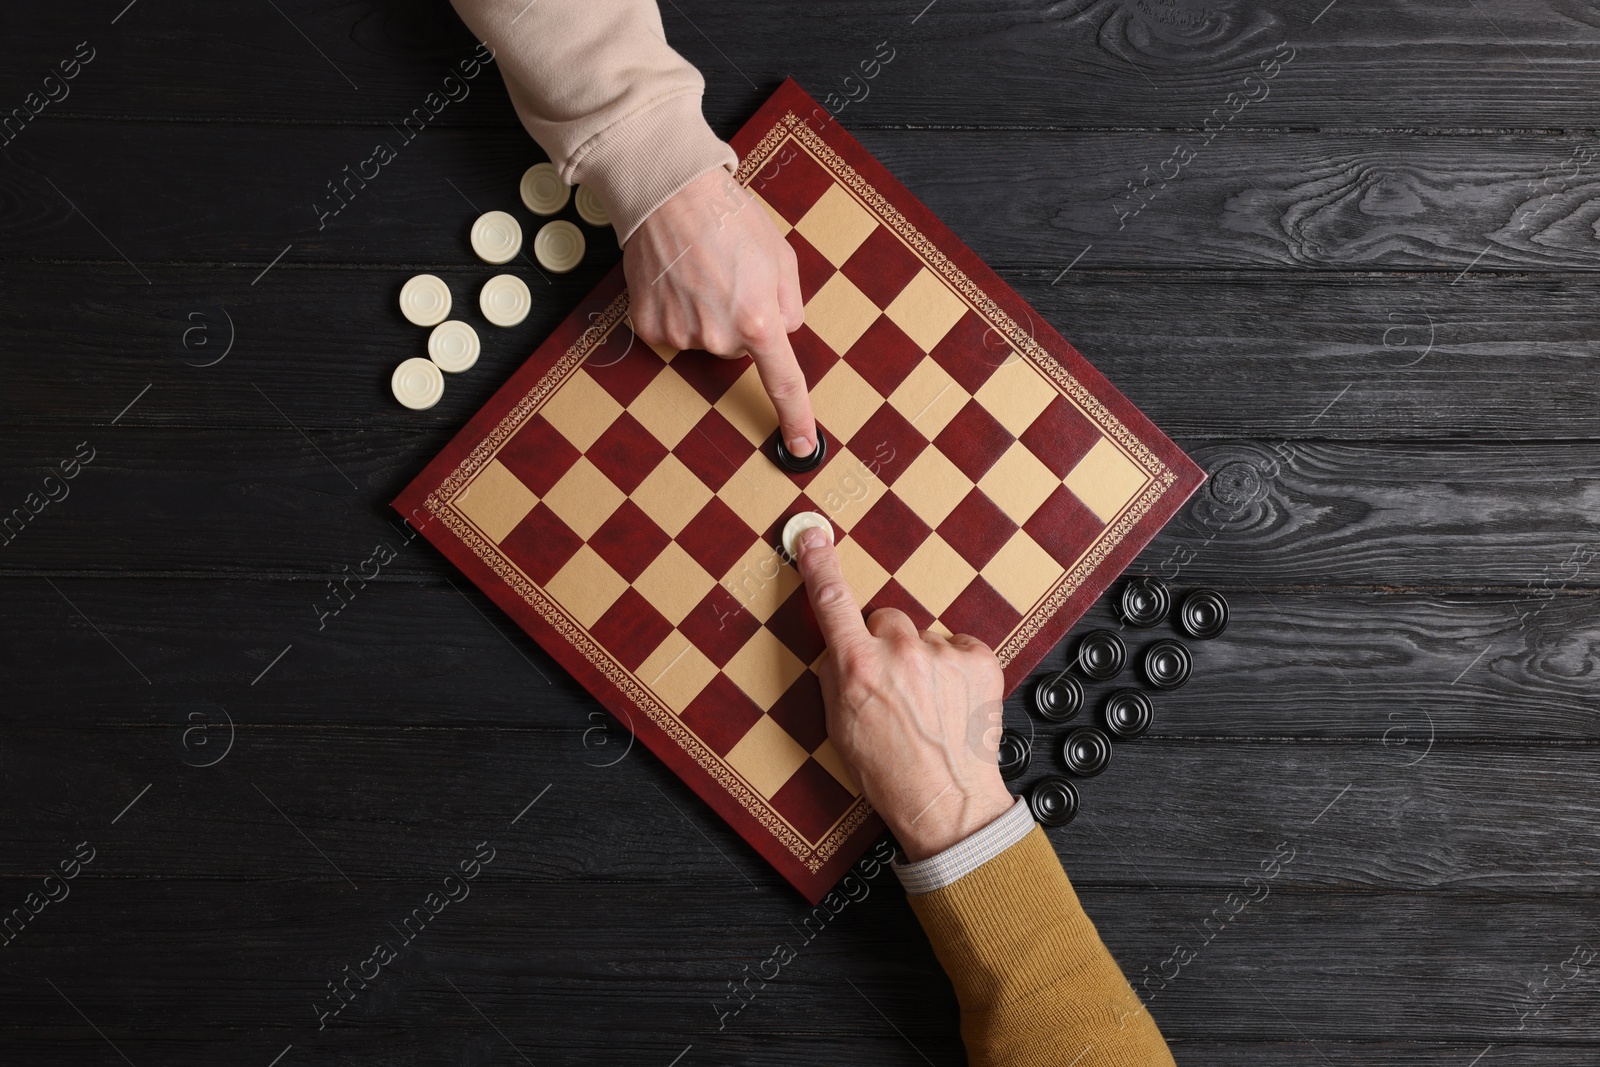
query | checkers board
(621,501)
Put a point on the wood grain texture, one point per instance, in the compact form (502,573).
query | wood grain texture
(1365,305)
(1405,358)
(1508,667)
(381,802)
(1101,63)
(1247,200)
(300,500)
(545,985)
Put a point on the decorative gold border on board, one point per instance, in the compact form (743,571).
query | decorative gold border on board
(439,501)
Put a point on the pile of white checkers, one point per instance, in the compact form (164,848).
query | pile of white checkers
(504,300)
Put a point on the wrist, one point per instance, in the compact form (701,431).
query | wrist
(953,816)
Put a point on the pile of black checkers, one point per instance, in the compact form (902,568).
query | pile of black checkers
(1125,712)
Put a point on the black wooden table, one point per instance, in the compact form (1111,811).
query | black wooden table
(1344,254)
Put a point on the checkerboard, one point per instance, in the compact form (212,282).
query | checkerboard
(621,501)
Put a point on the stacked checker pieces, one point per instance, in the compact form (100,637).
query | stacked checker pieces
(496,238)
(623,502)
(1125,713)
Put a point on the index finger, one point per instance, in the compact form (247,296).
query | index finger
(785,383)
(832,599)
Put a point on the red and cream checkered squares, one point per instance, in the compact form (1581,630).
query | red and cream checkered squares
(644,498)
(621,500)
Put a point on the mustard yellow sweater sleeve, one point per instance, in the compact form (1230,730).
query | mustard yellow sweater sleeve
(597,86)
(1036,985)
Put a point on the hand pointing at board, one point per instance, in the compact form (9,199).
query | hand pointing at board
(708,269)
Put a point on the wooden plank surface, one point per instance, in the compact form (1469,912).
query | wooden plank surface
(1494,357)
(1419,63)
(1365,304)
(1349,201)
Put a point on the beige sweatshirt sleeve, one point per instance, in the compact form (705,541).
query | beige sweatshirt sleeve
(598,87)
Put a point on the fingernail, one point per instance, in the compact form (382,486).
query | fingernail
(813,538)
(799,447)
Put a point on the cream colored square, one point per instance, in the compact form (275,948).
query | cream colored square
(845,488)
(1018,482)
(836,225)
(761,581)
(772,213)
(929,398)
(840,313)
(671,495)
(759,491)
(1105,480)
(583,498)
(766,757)
(932,486)
(865,574)
(669,407)
(925,310)
(1022,572)
(748,407)
(676,671)
(764,668)
(843,401)
(586,586)
(674,583)
(935,574)
(834,764)
(581,410)
(1015,394)
(665,351)
(496,501)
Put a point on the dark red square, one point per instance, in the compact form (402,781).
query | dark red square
(713,450)
(716,537)
(791,182)
(813,354)
(624,366)
(1060,436)
(629,540)
(627,452)
(981,612)
(884,355)
(1063,526)
(977,529)
(890,532)
(882,266)
(887,444)
(631,629)
(541,544)
(812,800)
(719,626)
(721,714)
(795,625)
(709,375)
(814,269)
(894,595)
(973,440)
(800,711)
(971,351)
(538,455)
